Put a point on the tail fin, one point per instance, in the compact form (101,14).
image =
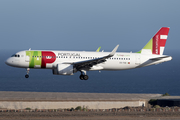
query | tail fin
(157,43)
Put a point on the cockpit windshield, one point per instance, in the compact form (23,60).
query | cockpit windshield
(15,55)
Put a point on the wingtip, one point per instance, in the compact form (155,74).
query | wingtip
(114,50)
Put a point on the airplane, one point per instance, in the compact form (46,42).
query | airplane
(70,62)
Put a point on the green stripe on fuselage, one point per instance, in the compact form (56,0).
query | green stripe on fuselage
(35,58)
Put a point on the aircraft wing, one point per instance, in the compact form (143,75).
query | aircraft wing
(87,64)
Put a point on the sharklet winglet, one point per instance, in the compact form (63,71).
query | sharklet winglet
(114,51)
(98,49)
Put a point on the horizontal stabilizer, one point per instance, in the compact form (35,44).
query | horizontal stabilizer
(160,58)
(156,60)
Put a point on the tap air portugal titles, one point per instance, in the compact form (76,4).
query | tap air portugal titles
(69,62)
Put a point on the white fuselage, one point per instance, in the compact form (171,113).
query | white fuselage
(120,60)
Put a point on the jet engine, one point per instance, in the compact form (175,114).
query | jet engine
(64,69)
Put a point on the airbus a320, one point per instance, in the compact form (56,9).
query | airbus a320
(70,62)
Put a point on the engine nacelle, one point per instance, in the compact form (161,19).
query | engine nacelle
(64,69)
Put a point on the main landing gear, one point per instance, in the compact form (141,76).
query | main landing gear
(83,75)
(27,76)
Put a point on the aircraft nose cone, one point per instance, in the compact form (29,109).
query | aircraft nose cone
(9,61)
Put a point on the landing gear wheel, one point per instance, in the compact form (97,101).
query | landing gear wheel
(26,76)
(85,77)
(27,72)
(81,77)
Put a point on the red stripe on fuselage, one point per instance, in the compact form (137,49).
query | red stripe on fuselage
(48,57)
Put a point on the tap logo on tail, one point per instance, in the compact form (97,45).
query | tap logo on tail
(157,43)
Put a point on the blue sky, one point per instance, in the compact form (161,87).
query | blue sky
(86,24)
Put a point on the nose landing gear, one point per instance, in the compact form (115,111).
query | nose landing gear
(83,75)
(27,76)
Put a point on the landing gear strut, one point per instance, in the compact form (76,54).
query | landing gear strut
(27,76)
(83,75)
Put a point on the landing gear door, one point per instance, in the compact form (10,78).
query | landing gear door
(27,59)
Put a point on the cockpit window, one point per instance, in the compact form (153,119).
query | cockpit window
(15,55)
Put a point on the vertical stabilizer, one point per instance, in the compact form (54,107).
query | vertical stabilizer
(157,43)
